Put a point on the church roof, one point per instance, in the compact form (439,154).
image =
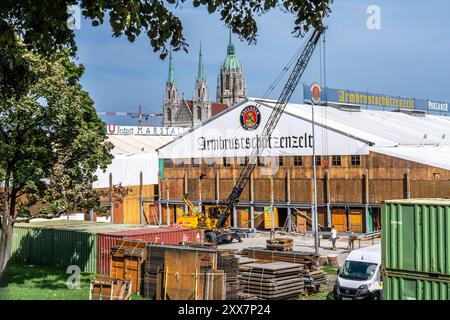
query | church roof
(216,107)
(231,62)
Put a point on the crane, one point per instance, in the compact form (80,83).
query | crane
(223,210)
(139,115)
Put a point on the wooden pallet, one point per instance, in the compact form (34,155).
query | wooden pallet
(105,288)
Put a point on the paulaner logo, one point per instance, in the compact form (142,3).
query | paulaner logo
(438,106)
(250,118)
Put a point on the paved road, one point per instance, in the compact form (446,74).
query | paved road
(302,243)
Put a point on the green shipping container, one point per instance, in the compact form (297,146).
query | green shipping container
(61,243)
(55,247)
(415,287)
(20,249)
(416,236)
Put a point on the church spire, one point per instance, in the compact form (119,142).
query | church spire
(171,77)
(201,67)
(230,48)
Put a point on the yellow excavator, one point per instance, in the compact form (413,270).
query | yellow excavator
(195,218)
(214,220)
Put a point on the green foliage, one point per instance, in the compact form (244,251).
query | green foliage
(43,28)
(51,141)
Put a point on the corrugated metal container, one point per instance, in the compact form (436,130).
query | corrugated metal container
(20,250)
(416,236)
(60,243)
(163,235)
(55,247)
(398,286)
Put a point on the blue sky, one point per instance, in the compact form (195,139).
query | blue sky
(409,56)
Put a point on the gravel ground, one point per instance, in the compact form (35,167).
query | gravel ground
(301,243)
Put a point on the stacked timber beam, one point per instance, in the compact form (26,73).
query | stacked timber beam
(313,280)
(275,280)
(228,262)
(305,258)
(312,275)
(280,244)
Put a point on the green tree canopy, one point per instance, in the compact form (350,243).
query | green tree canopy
(51,144)
(42,25)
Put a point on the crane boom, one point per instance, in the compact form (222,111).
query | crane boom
(229,203)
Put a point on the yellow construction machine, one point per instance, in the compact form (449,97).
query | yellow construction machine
(194,218)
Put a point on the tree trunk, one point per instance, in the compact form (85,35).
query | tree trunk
(6,229)
(6,235)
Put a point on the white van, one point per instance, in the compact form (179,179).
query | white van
(360,275)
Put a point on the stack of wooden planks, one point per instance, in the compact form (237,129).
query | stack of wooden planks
(308,259)
(280,244)
(274,280)
(105,288)
(126,262)
(153,266)
(229,263)
(313,280)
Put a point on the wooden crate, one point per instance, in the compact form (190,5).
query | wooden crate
(104,288)
(185,274)
(178,272)
(126,262)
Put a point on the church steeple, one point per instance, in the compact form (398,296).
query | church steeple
(231,88)
(201,107)
(201,67)
(170,108)
(230,48)
(171,77)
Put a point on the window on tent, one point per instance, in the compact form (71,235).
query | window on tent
(298,161)
(356,160)
(336,161)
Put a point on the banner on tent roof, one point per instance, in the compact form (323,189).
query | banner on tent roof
(225,136)
(113,129)
(376,101)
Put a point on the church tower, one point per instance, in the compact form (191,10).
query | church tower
(201,105)
(231,87)
(171,102)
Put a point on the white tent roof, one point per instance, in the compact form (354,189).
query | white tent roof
(137,144)
(382,128)
(424,139)
(132,154)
